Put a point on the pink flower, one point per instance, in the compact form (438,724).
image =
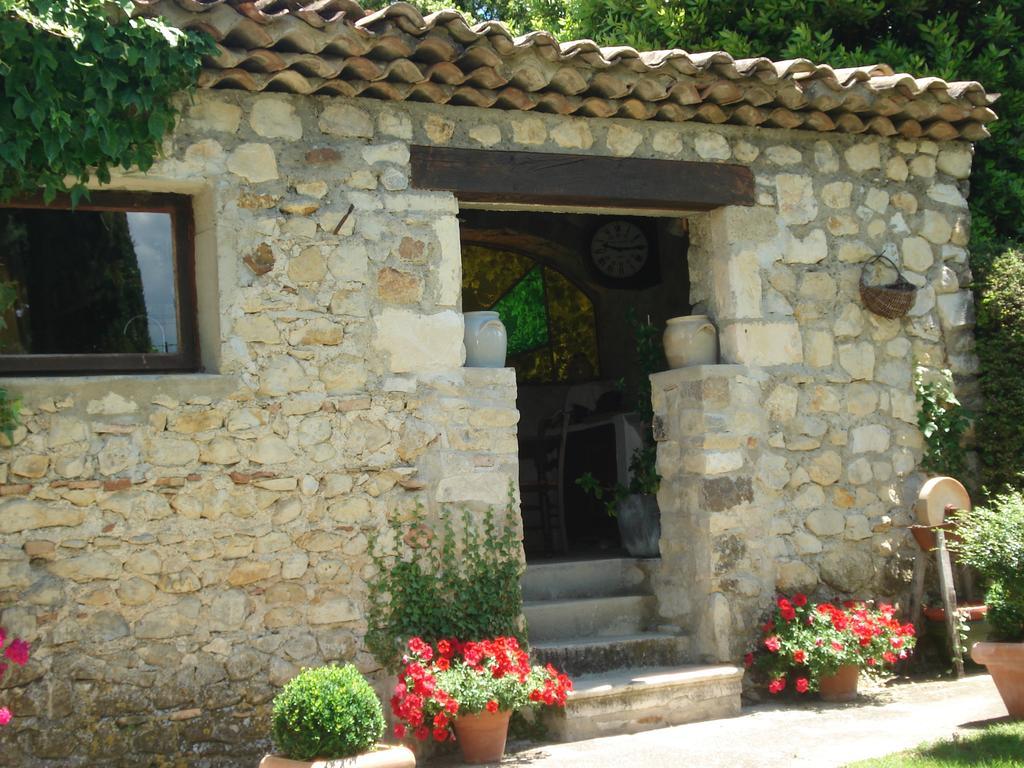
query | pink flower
(17,652)
(772,643)
(802,685)
(777,685)
(5,715)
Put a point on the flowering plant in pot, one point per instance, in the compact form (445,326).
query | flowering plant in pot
(329,713)
(817,646)
(467,691)
(990,539)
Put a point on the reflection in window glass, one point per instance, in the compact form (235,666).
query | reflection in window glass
(88,282)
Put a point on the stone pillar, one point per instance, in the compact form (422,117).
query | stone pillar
(716,573)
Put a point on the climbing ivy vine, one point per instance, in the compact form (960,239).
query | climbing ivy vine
(86,88)
(942,421)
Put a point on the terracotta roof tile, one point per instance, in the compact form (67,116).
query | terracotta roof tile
(396,53)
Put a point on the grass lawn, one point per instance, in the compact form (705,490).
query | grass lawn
(996,746)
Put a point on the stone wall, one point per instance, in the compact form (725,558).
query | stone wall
(815,492)
(176,546)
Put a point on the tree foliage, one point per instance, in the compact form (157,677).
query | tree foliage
(86,89)
(1000,343)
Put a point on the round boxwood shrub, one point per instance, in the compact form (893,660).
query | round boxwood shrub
(329,712)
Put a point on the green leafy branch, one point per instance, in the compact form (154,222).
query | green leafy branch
(86,89)
(942,421)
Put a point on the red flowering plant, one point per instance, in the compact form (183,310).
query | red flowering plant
(16,653)
(802,642)
(439,683)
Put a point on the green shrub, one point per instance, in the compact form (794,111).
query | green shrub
(445,586)
(990,539)
(329,712)
(1000,345)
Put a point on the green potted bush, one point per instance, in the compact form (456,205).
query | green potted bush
(331,713)
(990,539)
(635,506)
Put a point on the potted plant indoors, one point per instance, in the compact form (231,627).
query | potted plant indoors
(823,647)
(468,691)
(635,505)
(330,713)
(990,539)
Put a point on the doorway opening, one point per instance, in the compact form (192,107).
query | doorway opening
(571,290)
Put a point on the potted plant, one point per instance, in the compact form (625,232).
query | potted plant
(329,713)
(468,691)
(635,505)
(990,539)
(823,647)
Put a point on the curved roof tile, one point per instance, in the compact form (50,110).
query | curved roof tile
(397,53)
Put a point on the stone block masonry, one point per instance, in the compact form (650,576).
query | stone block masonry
(175,547)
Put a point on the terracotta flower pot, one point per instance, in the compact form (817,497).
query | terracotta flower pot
(842,686)
(382,757)
(1005,662)
(481,737)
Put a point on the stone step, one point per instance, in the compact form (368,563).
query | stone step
(588,655)
(551,620)
(630,701)
(585,578)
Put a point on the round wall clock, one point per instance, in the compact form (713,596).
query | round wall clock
(619,249)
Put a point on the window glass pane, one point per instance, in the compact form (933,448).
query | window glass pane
(88,282)
(524,313)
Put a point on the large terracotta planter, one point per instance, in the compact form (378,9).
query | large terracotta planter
(481,737)
(1005,662)
(382,757)
(842,686)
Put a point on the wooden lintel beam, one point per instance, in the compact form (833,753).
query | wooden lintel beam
(539,178)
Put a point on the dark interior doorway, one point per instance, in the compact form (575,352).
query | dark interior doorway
(569,289)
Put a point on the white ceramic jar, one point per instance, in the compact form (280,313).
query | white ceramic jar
(690,340)
(486,340)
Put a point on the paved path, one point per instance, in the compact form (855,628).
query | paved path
(807,735)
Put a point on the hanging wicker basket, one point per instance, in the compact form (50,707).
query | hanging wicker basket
(892,300)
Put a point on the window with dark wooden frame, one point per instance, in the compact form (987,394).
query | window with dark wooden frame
(108,287)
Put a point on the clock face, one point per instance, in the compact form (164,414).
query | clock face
(619,249)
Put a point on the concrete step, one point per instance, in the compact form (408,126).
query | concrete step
(585,578)
(552,620)
(588,655)
(630,701)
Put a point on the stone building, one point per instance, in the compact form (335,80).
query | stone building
(177,544)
